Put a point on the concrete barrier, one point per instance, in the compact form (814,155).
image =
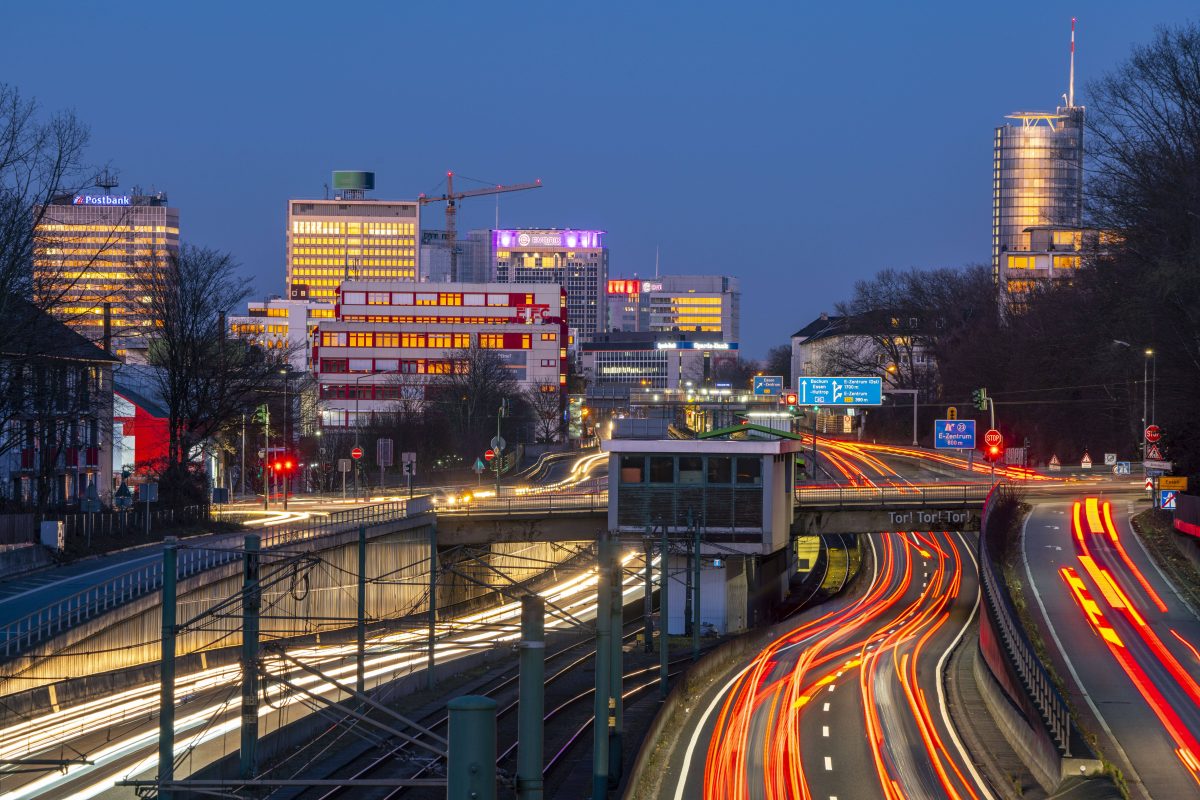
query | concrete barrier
(1016,686)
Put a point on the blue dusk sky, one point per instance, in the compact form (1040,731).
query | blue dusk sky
(799,146)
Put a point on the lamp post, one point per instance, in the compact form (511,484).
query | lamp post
(1153,387)
(287,442)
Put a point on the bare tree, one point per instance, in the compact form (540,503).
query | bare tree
(470,395)
(205,378)
(41,158)
(779,362)
(547,411)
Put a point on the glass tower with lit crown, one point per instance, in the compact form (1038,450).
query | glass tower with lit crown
(1037,180)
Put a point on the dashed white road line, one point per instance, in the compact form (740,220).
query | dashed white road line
(825,731)
(828,764)
(825,707)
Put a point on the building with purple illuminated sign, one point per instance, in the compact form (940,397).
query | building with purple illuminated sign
(576,260)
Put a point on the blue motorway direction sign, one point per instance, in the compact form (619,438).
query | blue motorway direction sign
(840,391)
(771,385)
(954,434)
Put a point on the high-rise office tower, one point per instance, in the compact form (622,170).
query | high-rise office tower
(575,260)
(350,238)
(677,303)
(1037,183)
(95,249)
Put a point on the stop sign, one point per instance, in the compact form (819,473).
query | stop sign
(1153,433)
(488,455)
(356,452)
(992,438)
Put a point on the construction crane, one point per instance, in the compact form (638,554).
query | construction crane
(451,199)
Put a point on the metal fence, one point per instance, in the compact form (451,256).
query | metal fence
(551,503)
(131,522)
(875,496)
(22,634)
(1019,652)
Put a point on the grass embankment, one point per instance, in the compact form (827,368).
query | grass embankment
(1008,519)
(1154,528)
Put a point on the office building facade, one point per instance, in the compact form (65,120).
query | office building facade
(1037,197)
(654,360)
(392,341)
(95,249)
(279,324)
(576,260)
(676,304)
(473,254)
(350,238)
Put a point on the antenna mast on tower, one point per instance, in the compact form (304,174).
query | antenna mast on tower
(1071,80)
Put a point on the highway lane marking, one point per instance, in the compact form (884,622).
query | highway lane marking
(826,707)
(1063,650)
(691,748)
(825,731)
(941,689)
(832,686)
(828,764)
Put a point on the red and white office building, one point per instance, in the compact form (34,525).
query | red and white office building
(390,341)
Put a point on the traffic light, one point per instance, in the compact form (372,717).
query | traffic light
(790,400)
(994,452)
(980,399)
(283,465)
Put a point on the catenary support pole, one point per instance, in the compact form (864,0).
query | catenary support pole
(648,602)
(664,619)
(166,698)
(471,758)
(616,670)
(251,605)
(431,676)
(530,750)
(360,678)
(603,681)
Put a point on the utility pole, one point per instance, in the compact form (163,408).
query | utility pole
(471,756)
(266,456)
(251,603)
(664,623)
(361,654)
(600,726)
(432,677)
(500,414)
(166,696)
(616,705)
(243,455)
(531,704)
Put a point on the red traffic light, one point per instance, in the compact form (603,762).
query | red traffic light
(791,398)
(994,452)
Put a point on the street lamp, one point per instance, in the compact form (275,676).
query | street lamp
(1154,387)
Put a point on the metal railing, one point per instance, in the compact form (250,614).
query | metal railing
(1036,681)
(965,494)
(532,503)
(22,634)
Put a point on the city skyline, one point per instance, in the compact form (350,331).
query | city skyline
(796,130)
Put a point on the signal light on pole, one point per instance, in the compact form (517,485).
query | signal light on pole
(994,452)
(791,398)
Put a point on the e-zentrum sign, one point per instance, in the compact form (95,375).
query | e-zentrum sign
(103,200)
(696,345)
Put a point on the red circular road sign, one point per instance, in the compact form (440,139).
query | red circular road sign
(488,455)
(1153,433)
(993,438)
(356,452)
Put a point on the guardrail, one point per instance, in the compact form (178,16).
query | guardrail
(876,496)
(30,630)
(560,503)
(1018,651)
